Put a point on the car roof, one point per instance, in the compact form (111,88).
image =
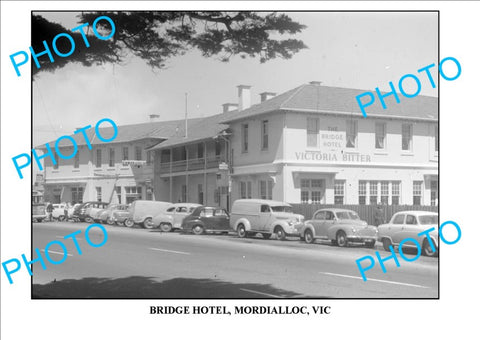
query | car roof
(417,212)
(186,205)
(335,210)
(260,201)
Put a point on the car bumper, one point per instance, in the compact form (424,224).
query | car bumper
(361,238)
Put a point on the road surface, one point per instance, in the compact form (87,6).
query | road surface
(141,263)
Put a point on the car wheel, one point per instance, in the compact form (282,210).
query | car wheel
(280,233)
(61,218)
(386,244)
(427,249)
(309,236)
(266,236)
(110,221)
(89,219)
(341,239)
(165,227)
(241,231)
(128,223)
(148,224)
(370,244)
(198,230)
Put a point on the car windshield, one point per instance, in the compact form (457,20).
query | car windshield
(282,208)
(428,219)
(347,215)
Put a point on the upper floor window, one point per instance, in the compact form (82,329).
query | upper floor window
(352,133)
(380,134)
(407,137)
(76,160)
(111,160)
(138,153)
(244,137)
(55,156)
(312,132)
(264,134)
(98,162)
(149,157)
(125,153)
(200,150)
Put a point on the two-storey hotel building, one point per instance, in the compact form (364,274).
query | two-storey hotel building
(308,145)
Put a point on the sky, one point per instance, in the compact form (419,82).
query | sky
(362,50)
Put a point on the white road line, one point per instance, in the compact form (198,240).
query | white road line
(261,293)
(62,237)
(170,251)
(56,252)
(384,281)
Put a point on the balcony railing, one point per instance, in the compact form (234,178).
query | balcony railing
(191,164)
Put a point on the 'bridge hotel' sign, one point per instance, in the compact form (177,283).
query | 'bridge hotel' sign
(333,143)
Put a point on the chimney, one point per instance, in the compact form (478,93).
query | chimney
(243,97)
(317,83)
(229,107)
(154,117)
(266,96)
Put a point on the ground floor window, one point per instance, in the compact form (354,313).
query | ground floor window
(118,190)
(266,189)
(184,193)
(312,190)
(99,193)
(374,192)
(200,194)
(246,189)
(133,194)
(433,192)
(77,195)
(339,192)
(417,192)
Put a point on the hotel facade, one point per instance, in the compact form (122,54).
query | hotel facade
(308,145)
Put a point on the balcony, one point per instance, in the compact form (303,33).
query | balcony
(190,165)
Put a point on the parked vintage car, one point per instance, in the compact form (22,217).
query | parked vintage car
(38,212)
(172,217)
(408,224)
(115,213)
(340,226)
(252,216)
(84,211)
(206,219)
(142,212)
(58,212)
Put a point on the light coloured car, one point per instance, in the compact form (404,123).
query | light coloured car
(340,226)
(173,216)
(39,212)
(142,212)
(408,224)
(111,215)
(58,212)
(252,216)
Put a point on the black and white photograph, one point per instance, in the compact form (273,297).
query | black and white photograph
(241,159)
(237,162)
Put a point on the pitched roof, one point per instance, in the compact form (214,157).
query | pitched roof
(315,98)
(200,130)
(128,133)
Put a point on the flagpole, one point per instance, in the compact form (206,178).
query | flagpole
(186,115)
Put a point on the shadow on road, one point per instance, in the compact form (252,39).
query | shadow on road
(140,287)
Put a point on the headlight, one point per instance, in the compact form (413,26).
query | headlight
(354,230)
(290,223)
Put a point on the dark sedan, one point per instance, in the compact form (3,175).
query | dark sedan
(207,219)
